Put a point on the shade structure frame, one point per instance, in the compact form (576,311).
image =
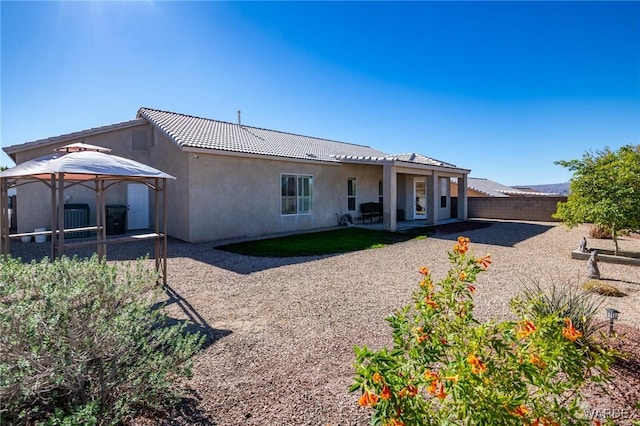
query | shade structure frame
(80,168)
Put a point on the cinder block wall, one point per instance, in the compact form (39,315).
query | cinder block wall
(515,208)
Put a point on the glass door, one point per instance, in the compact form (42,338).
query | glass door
(419,199)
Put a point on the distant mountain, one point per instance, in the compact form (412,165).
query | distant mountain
(555,188)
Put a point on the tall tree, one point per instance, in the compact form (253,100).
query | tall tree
(604,190)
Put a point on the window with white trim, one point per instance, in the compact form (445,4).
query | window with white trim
(444,192)
(351,194)
(297,194)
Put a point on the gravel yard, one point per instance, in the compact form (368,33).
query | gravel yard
(281,331)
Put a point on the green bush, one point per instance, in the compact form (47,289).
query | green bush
(84,342)
(446,368)
(566,301)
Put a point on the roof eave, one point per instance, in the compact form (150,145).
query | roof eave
(213,151)
(12,150)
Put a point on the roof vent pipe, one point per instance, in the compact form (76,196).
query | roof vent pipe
(239,121)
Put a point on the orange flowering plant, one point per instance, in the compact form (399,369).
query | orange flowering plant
(446,367)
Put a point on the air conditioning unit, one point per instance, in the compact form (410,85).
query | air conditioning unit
(76,216)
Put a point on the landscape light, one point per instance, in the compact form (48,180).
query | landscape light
(612,314)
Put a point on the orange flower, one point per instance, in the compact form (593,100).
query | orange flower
(430,375)
(537,361)
(477,366)
(395,422)
(368,399)
(437,389)
(569,331)
(485,261)
(520,411)
(440,393)
(412,390)
(453,379)
(429,301)
(463,275)
(426,282)
(544,421)
(386,393)
(420,335)
(424,271)
(462,245)
(377,378)
(409,391)
(525,328)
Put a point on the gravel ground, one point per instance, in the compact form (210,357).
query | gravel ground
(281,331)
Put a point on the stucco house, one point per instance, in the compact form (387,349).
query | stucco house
(236,181)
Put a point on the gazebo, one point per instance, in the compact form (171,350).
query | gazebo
(91,167)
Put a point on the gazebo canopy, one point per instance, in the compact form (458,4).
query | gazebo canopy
(85,164)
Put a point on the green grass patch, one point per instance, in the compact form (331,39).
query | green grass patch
(326,242)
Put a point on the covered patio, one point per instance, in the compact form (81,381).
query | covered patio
(416,189)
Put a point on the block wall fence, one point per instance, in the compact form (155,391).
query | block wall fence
(515,208)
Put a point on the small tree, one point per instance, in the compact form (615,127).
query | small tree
(604,190)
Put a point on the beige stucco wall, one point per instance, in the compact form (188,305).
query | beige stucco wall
(34,200)
(168,157)
(237,197)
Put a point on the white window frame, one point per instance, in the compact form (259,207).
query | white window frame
(352,193)
(292,194)
(444,192)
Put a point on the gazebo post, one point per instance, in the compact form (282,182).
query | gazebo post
(60,226)
(4,211)
(102,232)
(164,230)
(53,215)
(98,214)
(156,229)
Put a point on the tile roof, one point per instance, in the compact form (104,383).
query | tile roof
(71,136)
(421,159)
(495,189)
(197,132)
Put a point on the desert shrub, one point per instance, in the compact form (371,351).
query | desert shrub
(446,368)
(81,342)
(602,288)
(567,301)
(600,232)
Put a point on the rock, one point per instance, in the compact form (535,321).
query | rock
(582,248)
(592,266)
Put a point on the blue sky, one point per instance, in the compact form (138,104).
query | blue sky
(501,88)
